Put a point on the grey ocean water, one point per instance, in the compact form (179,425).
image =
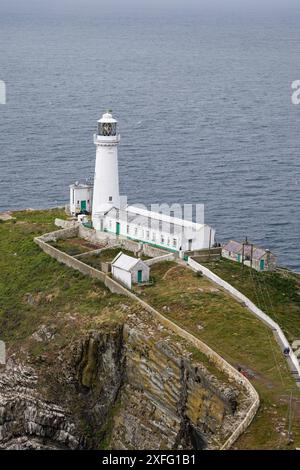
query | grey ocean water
(204,106)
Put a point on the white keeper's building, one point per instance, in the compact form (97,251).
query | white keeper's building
(129,270)
(108,215)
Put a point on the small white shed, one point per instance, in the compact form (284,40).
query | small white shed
(80,198)
(129,270)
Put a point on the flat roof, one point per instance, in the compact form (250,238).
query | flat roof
(144,215)
(81,185)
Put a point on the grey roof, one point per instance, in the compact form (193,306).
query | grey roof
(237,248)
(81,185)
(124,262)
(149,219)
(233,246)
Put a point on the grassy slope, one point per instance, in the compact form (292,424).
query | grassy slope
(212,315)
(36,290)
(276,293)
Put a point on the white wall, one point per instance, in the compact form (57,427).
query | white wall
(200,238)
(106,182)
(80,194)
(123,276)
(250,305)
(140,266)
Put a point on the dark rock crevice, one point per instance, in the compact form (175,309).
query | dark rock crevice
(125,386)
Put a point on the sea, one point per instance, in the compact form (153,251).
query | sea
(203,101)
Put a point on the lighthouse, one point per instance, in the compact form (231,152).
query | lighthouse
(106,182)
(110,213)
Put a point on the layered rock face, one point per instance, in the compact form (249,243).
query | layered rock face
(169,401)
(129,386)
(27,421)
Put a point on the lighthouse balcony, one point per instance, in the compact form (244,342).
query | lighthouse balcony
(108,140)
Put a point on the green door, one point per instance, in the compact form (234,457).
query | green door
(262,264)
(239,258)
(118,228)
(83,206)
(140,276)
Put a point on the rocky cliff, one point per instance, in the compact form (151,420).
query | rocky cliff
(128,385)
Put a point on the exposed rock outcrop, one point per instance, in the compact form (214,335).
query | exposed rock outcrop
(26,420)
(125,386)
(169,400)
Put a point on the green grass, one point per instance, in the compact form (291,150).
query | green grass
(35,289)
(74,246)
(106,256)
(209,313)
(276,293)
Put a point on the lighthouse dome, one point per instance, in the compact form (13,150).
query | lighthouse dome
(107,125)
(107,117)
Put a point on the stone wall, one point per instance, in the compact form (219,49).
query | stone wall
(251,306)
(66,223)
(153,251)
(215,358)
(95,252)
(63,234)
(130,245)
(205,255)
(69,260)
(94,236)
(112,240)
(159,259)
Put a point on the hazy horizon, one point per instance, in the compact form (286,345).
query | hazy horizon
(270,7)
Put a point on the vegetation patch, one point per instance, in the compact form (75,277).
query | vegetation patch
(36,290)
(107,256)
(276,293)
(212,315)
(74,246)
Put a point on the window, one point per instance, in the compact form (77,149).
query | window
(107,129)
(110,198)
(135,231)
(153,237)
(168,242)
(147,234)
(162,239)
(174,242)
(127,229)
(73,196)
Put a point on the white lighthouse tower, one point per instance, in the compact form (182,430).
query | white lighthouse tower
(106,183)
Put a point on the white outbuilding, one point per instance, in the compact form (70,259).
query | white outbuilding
(158,229)
(81,196)
(129,270)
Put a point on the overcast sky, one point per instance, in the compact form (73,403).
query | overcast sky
(85,5)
